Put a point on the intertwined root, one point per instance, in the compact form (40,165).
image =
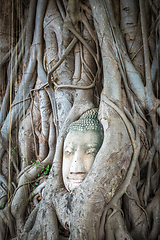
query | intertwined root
(70,57)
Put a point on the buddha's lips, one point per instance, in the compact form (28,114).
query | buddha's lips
(77,178)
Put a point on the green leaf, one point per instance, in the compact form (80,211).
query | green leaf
(47,168)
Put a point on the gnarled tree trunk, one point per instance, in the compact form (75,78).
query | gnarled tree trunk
(64,57)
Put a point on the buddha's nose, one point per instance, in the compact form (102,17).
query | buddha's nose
(77,165)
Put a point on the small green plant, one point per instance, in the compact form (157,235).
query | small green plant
(45,170)
(32,162)
(12,152)
(33,190)
(37,164)
(2,205)
(34,186)
(19,152)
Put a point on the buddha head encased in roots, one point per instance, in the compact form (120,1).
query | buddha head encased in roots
(83,140)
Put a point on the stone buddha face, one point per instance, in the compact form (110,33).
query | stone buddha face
(82,142)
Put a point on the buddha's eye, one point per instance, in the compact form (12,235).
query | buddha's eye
(91,151)
(68,152)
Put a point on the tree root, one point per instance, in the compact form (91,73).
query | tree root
(18,207)
(136,150)
(153,210)
(115,228)
(6,219)
(42,224)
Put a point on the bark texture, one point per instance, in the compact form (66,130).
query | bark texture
(58,59)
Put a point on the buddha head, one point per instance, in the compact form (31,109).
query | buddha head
(82,142)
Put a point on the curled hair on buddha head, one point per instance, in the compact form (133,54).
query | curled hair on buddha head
(88,121)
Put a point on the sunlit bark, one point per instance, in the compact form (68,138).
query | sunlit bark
(61,59)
